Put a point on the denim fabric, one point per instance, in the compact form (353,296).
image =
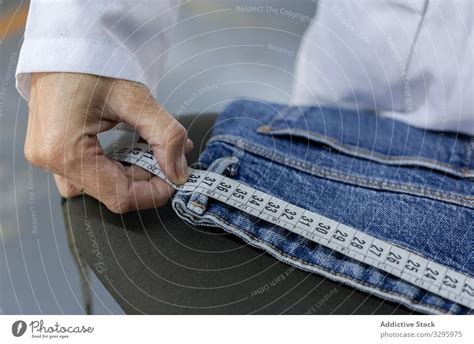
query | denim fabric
(404,185)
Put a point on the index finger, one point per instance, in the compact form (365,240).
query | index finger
(106,181)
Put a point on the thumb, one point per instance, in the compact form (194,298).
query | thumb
(166,136)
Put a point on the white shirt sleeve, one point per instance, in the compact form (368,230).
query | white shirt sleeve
(408,60)
(126,39)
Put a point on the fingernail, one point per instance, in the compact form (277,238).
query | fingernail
(181,168)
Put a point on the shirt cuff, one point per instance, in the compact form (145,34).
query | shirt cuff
(76,56)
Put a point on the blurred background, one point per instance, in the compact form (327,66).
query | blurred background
(218,53)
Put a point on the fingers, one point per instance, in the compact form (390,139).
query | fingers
(145,191)
(149,194)
(189,146)
(65,187)
(135,173)
(166,136)
(67,111)
(121,189)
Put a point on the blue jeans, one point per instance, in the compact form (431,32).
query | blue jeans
(407,186)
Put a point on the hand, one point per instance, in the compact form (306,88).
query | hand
(68,110)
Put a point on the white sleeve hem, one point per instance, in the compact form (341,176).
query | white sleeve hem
(76,56)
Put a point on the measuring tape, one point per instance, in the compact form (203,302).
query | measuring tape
(360,246)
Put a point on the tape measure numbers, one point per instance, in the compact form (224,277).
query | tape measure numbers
(400,262)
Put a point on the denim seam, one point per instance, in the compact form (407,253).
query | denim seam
(396,242)
(403,296)
(365,153)
(457,266)
(345,178)
(199,205)
(274,119)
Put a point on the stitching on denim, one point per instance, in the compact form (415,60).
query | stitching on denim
(215,167)
(199,205)
(325,172)
(341,177)
(403,296)
(196,221)
(282,113)
(365,153)
(393,241)
(428,256)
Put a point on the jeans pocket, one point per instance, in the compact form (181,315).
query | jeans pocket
(382,140)
(366,150)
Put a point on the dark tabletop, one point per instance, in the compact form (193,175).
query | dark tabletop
(154,263)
